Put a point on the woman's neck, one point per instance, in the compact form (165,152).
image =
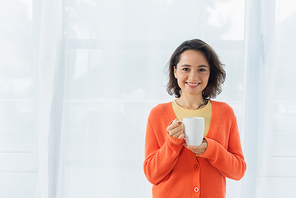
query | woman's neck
(191,102)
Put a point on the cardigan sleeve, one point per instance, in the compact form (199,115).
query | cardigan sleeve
(229,161)
(160,158)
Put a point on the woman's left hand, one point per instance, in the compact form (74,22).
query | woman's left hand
(199,150)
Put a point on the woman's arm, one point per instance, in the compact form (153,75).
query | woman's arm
(160,159)
(229,161)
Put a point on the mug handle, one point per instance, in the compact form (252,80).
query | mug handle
(180,121)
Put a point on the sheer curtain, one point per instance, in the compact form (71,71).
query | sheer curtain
(74,118)
(269,99)
(49,122)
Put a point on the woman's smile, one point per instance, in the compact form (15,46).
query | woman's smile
(192,85)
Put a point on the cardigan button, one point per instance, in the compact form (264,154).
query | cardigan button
(196,189)
(196,167)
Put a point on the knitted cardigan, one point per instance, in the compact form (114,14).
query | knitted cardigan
(174,170)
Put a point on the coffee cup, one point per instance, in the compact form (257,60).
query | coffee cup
(193,129)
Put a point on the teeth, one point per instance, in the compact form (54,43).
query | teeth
(192,84)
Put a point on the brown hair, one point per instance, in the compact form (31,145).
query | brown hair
(217,73)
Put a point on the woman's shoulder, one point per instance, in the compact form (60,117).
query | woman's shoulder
(160,108)
(220,103)
(162,112)
(222,106)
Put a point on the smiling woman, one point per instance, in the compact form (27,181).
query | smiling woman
(196,76)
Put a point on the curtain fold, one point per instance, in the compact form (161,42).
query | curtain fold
(50,98)
(259,70)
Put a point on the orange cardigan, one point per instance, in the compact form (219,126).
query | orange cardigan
(174,170)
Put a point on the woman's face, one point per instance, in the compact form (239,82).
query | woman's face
(192,72)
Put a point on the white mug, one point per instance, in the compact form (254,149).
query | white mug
(194,130)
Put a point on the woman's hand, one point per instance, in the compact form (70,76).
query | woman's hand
(175,130)
(199,150)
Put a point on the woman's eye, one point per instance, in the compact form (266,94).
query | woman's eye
(185,69)
(202,70)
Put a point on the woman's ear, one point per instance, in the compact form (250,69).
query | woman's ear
(175,71)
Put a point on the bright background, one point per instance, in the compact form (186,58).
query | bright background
(79,77)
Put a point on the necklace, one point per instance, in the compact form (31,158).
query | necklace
(203,104)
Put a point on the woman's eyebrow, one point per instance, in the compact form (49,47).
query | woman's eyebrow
(185,65)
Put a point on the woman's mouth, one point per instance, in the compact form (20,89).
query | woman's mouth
(192,85)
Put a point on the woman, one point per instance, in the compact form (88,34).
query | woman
(179,170)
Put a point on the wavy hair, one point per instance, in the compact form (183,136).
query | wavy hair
(217,73)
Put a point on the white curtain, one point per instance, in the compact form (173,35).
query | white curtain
(79,77)
(269,99)
(50,106)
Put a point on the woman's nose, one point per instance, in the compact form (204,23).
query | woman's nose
(193,76)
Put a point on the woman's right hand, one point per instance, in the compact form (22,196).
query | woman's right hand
(175,130)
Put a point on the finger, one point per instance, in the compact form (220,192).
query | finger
(195,148)
(173,125)
(175,130)
(191,148)
(204,141)
(199,150)
(177,134)
(182,136)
